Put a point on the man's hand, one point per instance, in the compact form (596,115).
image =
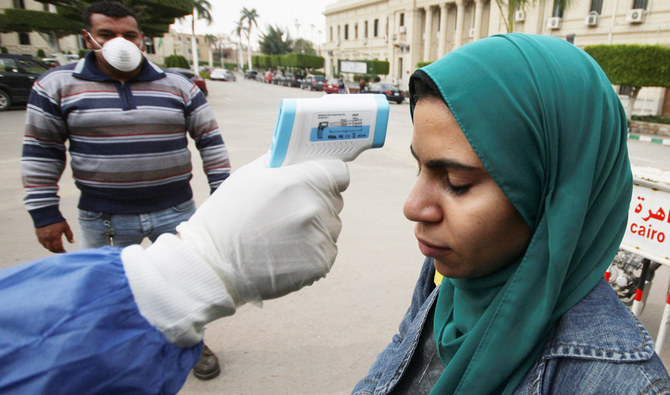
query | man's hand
(51,236)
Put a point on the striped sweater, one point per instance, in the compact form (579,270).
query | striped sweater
(127,141)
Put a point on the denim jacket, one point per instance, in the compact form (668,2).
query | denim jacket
(597,347)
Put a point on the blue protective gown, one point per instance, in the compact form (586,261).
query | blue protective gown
(69,325)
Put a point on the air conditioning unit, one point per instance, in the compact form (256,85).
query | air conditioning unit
(519,16)
(402,29)
(554,22)
(471,32)
(636,15)
(592,19)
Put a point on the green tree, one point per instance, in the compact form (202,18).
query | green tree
(633,65)
(274,43)
(509,7)
(303,46)
(250,17)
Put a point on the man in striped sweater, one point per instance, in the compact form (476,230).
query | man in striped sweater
(125,121)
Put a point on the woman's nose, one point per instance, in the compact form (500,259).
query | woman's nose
(421,204)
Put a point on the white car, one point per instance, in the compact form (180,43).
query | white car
(222,74)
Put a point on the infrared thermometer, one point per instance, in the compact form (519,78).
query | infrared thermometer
(332,126)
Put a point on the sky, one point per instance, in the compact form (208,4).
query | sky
(226,13)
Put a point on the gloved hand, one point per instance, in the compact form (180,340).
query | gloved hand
(264,233)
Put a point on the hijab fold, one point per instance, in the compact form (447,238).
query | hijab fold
(546,123)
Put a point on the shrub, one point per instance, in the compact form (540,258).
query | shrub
(176,61)
(651,118)
(41,53)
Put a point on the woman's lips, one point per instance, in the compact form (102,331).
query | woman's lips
(431,250)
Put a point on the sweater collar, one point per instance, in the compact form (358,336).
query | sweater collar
(87,69)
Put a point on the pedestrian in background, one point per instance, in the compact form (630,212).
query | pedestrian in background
(341,85)
(126,122)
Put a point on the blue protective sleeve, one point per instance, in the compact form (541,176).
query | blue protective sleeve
(69,325)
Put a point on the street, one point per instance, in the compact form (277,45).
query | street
(322,339)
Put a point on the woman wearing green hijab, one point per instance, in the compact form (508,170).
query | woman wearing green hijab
(520,203)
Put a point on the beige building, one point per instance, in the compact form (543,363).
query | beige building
(406,32)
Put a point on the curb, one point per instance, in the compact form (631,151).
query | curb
(664,141)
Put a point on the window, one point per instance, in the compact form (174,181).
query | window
(346,31)
(45,7)
(365,30)
(24,38)
(149,46)
(640,4)
(356,31)
(625,90)
(19,4)
(558,10)
(338,33)
(331,34)
(375,28)
(8,65)
(402,19)
(31,66)
(597,6)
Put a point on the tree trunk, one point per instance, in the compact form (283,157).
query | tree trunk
(249,50)
(194,45)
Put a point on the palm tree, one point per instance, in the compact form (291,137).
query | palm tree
(239,28)
(210,39)
(250,16)
(509,7)
(201,10)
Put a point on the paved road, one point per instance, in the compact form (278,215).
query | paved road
(323,339)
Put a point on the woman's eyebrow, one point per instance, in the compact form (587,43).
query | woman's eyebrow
(444,163)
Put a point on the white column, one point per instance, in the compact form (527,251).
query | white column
(442,47)
(479,5)
(460,15)
(428,43)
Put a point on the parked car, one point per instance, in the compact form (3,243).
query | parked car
(191,76)
(392,93)
(17,74)
(251,74)
(230,76)
(50,62)
(331,86)
(268,77)
(277,79)
(313,82)
(70,58)
(222,75)
(293,80)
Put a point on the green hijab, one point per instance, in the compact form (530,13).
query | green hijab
(547,125)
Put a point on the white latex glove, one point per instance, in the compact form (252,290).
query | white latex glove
(264,233)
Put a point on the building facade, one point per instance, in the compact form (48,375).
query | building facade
(157,48)
(406,32)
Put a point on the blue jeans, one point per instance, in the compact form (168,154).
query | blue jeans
(130,229)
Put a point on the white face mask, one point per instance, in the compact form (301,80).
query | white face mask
(120,53)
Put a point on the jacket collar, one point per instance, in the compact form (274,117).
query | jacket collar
(86,69)
(600,327)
